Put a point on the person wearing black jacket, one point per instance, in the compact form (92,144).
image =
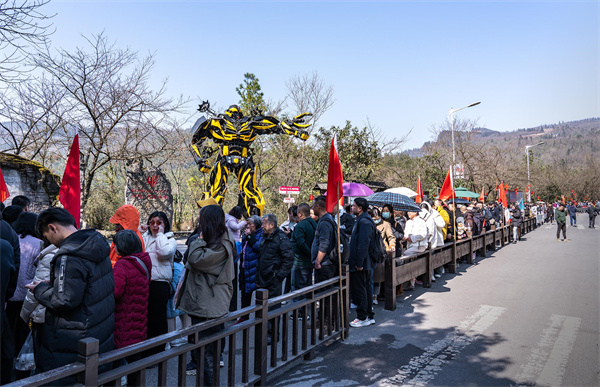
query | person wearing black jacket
(360,264)
(79,298)
(302,240)
(592,212)
(517,218)
(347,221)
(275,261)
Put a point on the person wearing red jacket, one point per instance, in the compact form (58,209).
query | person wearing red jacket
(132,272)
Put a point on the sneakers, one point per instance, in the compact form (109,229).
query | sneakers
(221,362)
(371,321)
(566,240)
(179,342)
(437,275)
(356,323)
(190,368)
(558,240)
(375,302)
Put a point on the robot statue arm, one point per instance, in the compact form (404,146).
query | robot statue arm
(201,131)
(294,127)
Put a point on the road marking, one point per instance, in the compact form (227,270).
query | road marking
(580,226)
(547,361)
(422,369)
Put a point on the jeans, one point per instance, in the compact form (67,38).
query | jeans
(301,278)
(559,227)
(592,221)
(362,293)
(209,351)
(573,220)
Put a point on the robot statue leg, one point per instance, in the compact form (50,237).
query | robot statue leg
(251,199)
(217,183)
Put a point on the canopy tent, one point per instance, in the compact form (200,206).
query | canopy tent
(461,192)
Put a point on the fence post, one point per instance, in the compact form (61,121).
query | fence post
(389,284)
(452,266)
(260,338)
(471,251)
(484,248)
(427,282)
(345,302)
(503,229)
(88,354)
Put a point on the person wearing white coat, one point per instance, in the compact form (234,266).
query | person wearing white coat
(161,246)
(416,234)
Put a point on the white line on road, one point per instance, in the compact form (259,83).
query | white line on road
(422,369)
(547,361)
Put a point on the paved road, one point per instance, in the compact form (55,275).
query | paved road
(527,314)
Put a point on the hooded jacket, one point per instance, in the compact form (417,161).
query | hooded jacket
(31,306)
(79,299)
(132,286)
(129,218)
(207,286)
(275,259)
(250,251)
(161,249)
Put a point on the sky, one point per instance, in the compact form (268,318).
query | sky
(401,65)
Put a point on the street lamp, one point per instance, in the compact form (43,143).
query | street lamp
(451,118)
(527,153)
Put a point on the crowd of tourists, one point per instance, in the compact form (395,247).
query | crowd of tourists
(61,284)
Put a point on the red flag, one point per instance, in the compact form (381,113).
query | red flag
(4,194)
(335,177)
(419,198)
(70,187)
(502,197)
(447,190)
(482,196)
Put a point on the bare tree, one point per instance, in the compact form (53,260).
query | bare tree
(107,99)
(22,27)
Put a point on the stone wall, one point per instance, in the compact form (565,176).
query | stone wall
(29,178)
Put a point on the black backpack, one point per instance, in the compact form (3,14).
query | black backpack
(344,244)
(377,250)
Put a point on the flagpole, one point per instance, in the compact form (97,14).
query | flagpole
(342,309)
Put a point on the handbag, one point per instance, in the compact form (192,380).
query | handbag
(25,361)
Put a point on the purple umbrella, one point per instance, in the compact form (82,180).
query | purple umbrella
(355,189)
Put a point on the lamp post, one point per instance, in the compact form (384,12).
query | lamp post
(527,154)
(451,118)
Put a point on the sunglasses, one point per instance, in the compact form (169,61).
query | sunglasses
(156,223)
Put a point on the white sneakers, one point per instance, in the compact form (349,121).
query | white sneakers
(356,323)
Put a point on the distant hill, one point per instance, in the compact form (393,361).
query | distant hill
(570,141)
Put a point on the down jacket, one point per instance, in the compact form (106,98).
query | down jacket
(129,218)
(161,250)
(275,260)
(79,299)
(250,250)
(31,306)
(208,282)
(132,286)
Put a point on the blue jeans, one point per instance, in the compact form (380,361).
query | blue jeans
(573,220)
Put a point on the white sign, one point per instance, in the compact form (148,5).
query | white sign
(284,190)
(459,171)
(289,200)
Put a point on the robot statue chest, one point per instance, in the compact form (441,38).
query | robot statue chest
(235,131)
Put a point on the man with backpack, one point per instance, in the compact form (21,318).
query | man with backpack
(360,264)
(324,242)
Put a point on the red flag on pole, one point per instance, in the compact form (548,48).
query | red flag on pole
(447,190)
(482,196)
(334,176)
(70,187)
(503,196)
(419,198)
(4,194)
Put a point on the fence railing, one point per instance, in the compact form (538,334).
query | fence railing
(402,269)
(250,359)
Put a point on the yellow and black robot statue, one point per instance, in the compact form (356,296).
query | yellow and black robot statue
(234,134)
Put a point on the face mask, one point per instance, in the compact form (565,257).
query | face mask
(377,221)
(386,215)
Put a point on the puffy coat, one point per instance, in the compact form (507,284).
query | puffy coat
(561,216)
(31,306)
(234,226)
(161,250)
(517,217)
(250,251)
(30,248)
(207,285)
(275,259)
(79,299)
(129,218)
(132,286)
